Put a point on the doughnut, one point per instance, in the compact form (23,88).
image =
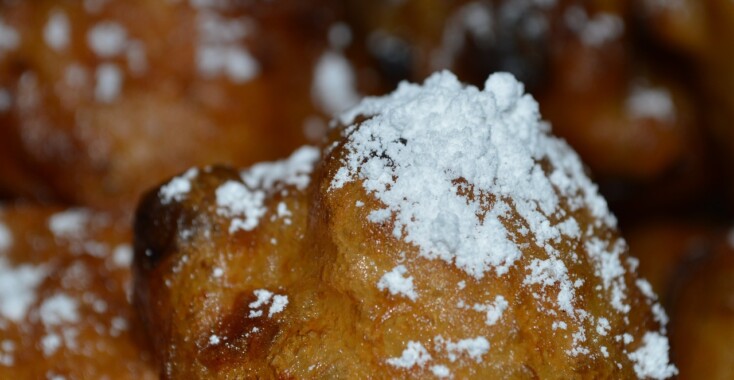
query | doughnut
(702,316)
(64,297)
(100,100)
(441,231)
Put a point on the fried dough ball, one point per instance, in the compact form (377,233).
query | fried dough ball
(64,309)
(99,100)
(702,31)
(702,317)
(632,122)
(441,232)
(666,248)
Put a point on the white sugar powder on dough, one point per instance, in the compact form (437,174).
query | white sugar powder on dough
(278,305)
(414,354)
(494,310)
(243,205)
(69,224)
(107,39)
(108,85)
(293,171)
(422,149)
(440,371)
(433,135)
(178,187)
(647,102)
(18,288)
(475,348)
(245,202)
(651,359)
(59,309)
(220,49)
(396,283)
(334,83)
(57,32)
(122,256)
(9,37)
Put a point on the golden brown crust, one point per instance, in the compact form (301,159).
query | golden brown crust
(328,261)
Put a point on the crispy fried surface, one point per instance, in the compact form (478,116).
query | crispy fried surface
(196,283)
(65,309)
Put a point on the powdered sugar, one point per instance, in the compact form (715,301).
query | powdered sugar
(494,310)
(429,139)
(245,202)
(475,348)
(396,283)
(243,205)
(57,31)
(9,37)
(277,303)
(107,39)
(109,78)
(414,354)
(178,187)
(649,102)
(334,83)
(59,309)
(451,165)
(220,51)
(293,171)
(651,359)
(18,288)
(69,224)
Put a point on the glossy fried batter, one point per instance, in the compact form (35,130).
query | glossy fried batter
(64,309)
(100,100)
(285,271)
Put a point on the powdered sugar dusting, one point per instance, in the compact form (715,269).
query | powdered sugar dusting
(219,49)
(435,136)
(59,309)
(109,78)
(277,303)
(493,310)
(334,83)
(452,165)
(396,283)
(293,171)
(178,187)
(18,288)
(245,202)
(651,359)
(414,354)
(649,102)
(69,224)
(243,205)
(57,31)
(475,348)
(9,37)
(107,39)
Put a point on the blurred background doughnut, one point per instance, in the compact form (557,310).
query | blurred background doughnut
(64,297)
(100,100)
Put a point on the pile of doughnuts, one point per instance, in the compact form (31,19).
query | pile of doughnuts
(366,189)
